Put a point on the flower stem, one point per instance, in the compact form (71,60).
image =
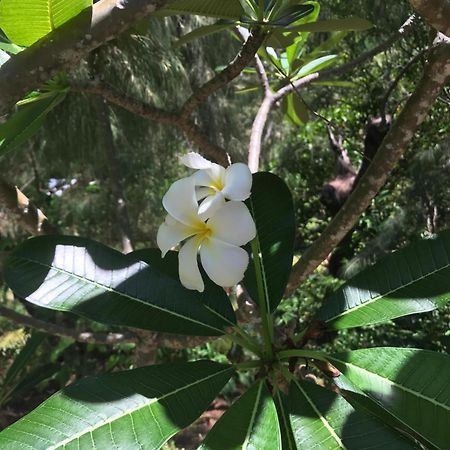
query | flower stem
(263,300)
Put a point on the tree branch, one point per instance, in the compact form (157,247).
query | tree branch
(435,12)
(436,75)
(67,45)
(270,99)
(240,62)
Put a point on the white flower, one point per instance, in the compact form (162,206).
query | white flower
(215,183)
(218,239)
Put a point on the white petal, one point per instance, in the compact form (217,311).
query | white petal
(202,192)
(224,263)
(238,182)
(233,223)
(214,177)
(189,272)
(181,203)
(211,205)
(195,161)
(170,233)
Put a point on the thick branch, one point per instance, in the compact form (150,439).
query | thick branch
(67,45)
(240,62)
(30,217)
(435,12)
(437,74)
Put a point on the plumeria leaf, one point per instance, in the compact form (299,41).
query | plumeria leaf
(273,210)
(81,276)
(409,281)
(140,408)
(411,384)
(250,423)
(322,419)
(26,21)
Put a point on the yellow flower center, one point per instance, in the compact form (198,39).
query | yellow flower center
(218,184)
(204,231)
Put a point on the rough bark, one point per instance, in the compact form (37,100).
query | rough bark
(436,75)
(435,12)
(67,45)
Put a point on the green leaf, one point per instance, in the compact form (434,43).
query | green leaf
(295,109)
(347,24)
(292,14)
(272,208)
(413,385)
(202,32)
(9,47)
(287,436)
(410,281)
(230,9)
(84,277)
(316,65)
(251,423)
(140,408)
(26,21)
(25,123)
(322,419)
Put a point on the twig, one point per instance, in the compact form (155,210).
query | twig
(436,75)
(240,62)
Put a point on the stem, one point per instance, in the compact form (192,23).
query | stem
(286,354)
(266,318)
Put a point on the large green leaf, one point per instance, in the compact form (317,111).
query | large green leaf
(229,9)
(198,33)
(413,280)
(251,423)
(322,419)
(26,21)
(84,277)
(27,120)
(287,436)
(272,208)
(412,385)
(134,409)
(316,65)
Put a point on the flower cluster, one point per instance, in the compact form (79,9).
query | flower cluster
(206,214)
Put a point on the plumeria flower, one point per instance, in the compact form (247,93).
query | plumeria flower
(215,184)
(217,239)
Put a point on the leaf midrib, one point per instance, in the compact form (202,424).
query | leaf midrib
(253,416)
(386,294)
(110,289)
(132,410)
(393,383)
(321,417)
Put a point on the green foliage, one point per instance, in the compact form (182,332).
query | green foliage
(410,384)
(145,407)
(275,236)
(250,423)
(322,419)
(89,279)
(410,281)
(27,21)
